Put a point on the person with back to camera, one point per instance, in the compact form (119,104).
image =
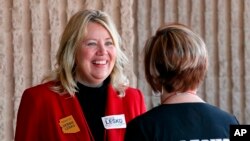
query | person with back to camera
(176,62)
(87,97)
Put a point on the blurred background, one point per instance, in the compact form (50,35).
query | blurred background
(30,31)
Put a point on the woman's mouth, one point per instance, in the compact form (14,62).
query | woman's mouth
(100,62)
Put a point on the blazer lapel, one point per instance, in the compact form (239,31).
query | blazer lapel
(114,106)
(71,106)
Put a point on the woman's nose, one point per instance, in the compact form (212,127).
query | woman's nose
(101,49)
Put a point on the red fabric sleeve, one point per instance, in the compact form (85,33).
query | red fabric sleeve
(27,125)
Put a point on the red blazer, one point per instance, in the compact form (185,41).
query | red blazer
(41,110)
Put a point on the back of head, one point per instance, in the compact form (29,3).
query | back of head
(175,58)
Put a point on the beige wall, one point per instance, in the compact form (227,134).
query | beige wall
(30,32)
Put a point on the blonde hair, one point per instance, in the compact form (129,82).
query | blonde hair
(74,33)
(175,59)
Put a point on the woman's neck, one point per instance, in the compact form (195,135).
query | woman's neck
(180,97)
(90,85)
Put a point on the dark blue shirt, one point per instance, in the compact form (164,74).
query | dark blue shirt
(181,122)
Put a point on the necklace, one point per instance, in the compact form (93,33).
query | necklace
(176,94)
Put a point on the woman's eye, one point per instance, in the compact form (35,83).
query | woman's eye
(109,43)
(91,44)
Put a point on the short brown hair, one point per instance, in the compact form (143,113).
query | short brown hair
(175,59)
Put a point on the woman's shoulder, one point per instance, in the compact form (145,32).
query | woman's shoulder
(40,90)
(131,91)
(40,87)
(38,95)
(220,112)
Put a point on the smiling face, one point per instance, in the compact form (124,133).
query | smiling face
(95,58)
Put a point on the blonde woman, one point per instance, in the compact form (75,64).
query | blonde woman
(87,97)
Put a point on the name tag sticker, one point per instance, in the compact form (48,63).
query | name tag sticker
(114,122)
(69,125)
